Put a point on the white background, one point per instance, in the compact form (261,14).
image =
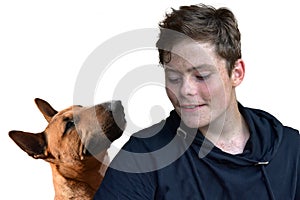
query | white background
(43,45)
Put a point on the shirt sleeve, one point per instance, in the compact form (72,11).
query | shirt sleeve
(118,185)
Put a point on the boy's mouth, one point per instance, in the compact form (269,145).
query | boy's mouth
(190,107)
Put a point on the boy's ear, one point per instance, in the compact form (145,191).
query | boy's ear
(33,144)
(45,108)
(238,72)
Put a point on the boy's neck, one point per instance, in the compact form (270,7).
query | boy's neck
(229,132)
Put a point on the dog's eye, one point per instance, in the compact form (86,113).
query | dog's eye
(69,125)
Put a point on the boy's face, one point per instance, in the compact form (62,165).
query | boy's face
(198,84)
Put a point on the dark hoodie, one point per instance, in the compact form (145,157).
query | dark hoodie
(170,161)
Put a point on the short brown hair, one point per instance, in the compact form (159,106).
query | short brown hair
(202,23)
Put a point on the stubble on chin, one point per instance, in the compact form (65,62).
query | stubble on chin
(195,120)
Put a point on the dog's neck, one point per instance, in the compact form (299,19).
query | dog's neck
(83,184)
(71,189)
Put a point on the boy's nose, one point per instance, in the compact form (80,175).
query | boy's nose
(188,88)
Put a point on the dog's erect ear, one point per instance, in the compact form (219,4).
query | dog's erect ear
(33,144)
(45,108)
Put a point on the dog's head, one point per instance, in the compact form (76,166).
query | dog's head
(73,134)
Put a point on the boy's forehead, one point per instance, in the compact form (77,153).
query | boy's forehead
(188,56)
(193,54)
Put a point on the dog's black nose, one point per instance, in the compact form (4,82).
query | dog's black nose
(116,106)
(113,106)
(118,114)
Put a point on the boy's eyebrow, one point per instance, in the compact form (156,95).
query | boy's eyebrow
(197,68)
(204,66)
(169,69)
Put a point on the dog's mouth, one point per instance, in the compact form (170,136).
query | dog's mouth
(86,152)
(83,152)
(93,147)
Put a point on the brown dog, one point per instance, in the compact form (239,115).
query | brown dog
(75,143)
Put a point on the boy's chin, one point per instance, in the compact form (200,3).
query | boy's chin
(191,123)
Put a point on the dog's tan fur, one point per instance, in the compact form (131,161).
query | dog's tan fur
(75,143)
